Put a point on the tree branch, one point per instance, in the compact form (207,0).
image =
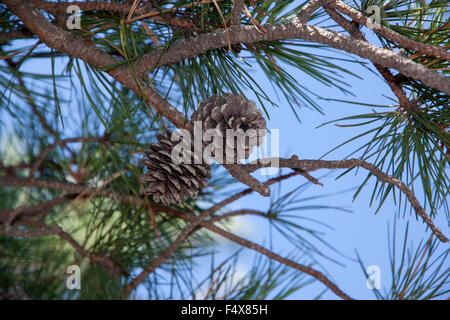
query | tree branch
(243,176)
(66,42)
(294,162)
(29,233)
(238,5)
(186,232)
(72,45)
(50,147)
(260,249)
(16,34)
(354,31)
(9,215)
(195,221)
(186,49)
(390,34)
(94,257)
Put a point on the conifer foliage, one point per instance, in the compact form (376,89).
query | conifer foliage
(92,92)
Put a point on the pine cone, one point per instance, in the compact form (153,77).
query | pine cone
(231,111)
(170,182)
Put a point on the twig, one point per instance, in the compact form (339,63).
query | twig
(354,31)
(253,246)
(390,34)
(94,257)
(236,13)
(308,176)
(186,232)
(50,147)
(243,193)
(16,34)
(150,33)
(224,23)
(8,216)
(10,181)
(308,9)
(253,20)
(133,9)
(72,45)
(293,162)
(243,176)
(237,213)
(29,233)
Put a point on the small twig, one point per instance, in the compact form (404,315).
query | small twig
(243,176)
(354,31)
(50,147)
(238,213)
(243,193)
(15,34)
(293,162)
(308,176)
(258,26)
(133,9)
(253,246)
(157,13)
(150,33)
(9,215)
(29,233)
(224,23)
(308,9)
(390,34)
(238,5)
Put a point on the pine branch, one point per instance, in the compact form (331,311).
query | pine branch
(260,249)
(111,7)
(72,45)
(354,31)
(29,233)
(390,34)
(68,43)
(195,221)
(238,5)
(8,216)
(309,8)
(16,34)
(186,49)
(50,147)
(294,162)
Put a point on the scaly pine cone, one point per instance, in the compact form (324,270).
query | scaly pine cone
(231,111)
(170,182)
